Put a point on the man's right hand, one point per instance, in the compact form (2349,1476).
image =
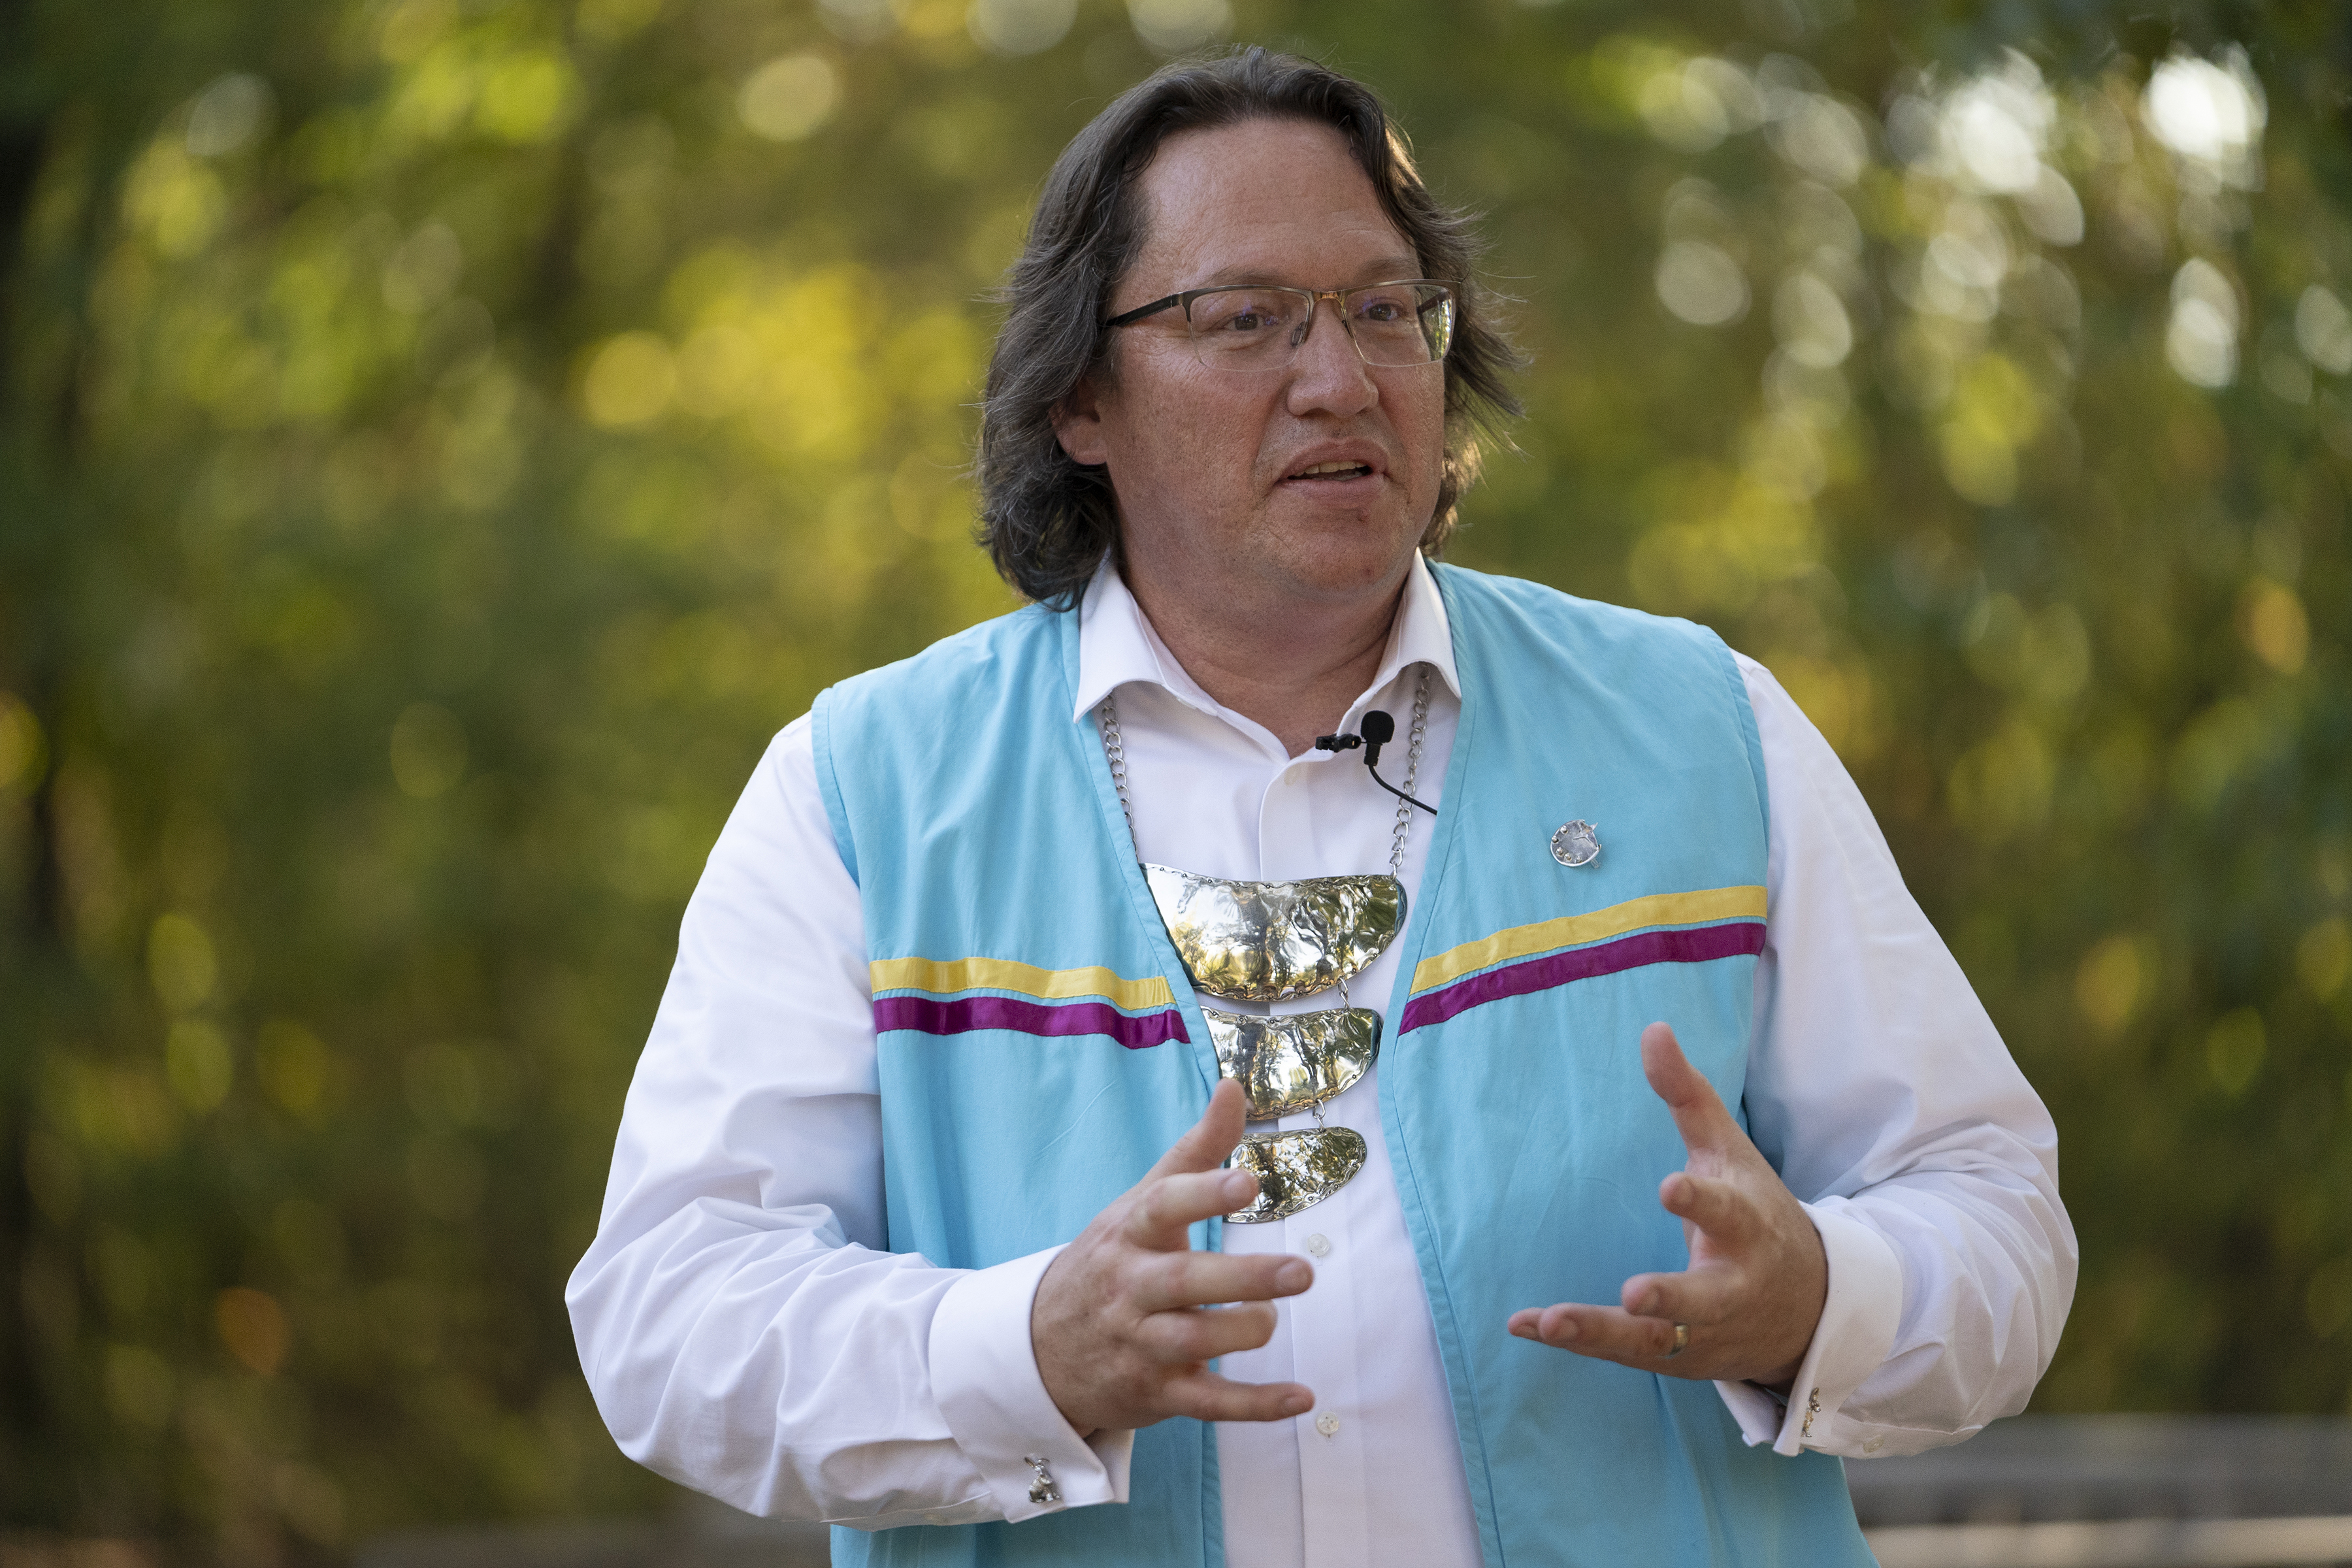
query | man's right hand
(1119,1322)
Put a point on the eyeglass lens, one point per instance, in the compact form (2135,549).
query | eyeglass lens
(1253,328)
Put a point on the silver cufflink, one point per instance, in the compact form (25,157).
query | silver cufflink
(1043,1489)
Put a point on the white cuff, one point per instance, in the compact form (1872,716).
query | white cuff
(985,1375)
(1863,1306)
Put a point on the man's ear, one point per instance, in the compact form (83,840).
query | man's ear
(1078,425)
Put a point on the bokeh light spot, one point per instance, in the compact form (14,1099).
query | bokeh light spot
(423,271)
(293,1066)
(1811,321)
(2111,982)
(1822,137)
(1701,283)
(2001,787)
(428,750)
(24,757)
(863,21)
(178,202)
(717,370)
(254,1326)
(527,97)
(200,1065)
(789,97)
(2212,114)
(2235,1048)
(409,27)
(2201,341)
(2323,959)
(229,115)
(2272,619)
(610,21)
(1695,104)
(1020,26)
(181,962)
(630,382)
(2322,329)
(1171,26)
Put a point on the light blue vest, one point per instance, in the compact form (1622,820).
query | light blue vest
(1040,1047)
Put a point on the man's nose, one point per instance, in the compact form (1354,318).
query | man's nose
(1328,372)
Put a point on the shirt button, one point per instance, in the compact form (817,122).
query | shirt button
(1319,1245)
(1327,1424)
(1873,1445)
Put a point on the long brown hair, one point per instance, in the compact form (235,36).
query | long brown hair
(1045,520)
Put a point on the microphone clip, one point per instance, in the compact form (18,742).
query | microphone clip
(1377,730)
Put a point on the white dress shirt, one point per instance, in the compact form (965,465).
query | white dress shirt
(745,1333)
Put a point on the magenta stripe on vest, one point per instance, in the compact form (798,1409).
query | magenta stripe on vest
(1690,946)
(927,1015)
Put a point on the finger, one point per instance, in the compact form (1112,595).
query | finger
(1210,1141)
(1698,1112)
(1215,1278)
(1205,1396)
(1605,1334)
(1523,1322)
(1700,1296)
(1195,1335)
(1161,1211)
(1720,1208)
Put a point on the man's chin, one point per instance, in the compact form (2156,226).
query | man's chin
(1337,560)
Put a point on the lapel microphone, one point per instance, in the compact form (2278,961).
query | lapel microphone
(1377,730)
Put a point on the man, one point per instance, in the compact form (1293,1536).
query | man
(918,1220)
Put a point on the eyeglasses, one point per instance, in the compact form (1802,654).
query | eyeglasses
(1260,326)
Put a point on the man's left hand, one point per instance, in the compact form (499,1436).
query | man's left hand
(1752,1295)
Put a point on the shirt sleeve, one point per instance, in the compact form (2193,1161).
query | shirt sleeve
(1879,1089)
(742,1325)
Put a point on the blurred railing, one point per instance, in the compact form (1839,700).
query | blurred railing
(699,1534)
(2077,1491)
(2059,1491)
(2118,1491)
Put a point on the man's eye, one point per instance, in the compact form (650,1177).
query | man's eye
(1237,315)
(1384,309)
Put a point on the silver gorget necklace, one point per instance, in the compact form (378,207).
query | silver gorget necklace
(1273,942)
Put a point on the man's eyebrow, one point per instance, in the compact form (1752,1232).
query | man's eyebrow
(1388,270)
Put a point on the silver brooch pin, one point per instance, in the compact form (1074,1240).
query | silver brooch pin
(1577,844)
(1043,1489)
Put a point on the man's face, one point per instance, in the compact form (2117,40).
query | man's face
(1209,465)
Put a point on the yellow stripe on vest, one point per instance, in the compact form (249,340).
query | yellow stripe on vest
(1571,930)
(1006,974)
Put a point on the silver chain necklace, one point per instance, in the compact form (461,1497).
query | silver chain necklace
(1115,752)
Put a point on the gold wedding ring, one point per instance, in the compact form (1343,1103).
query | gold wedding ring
(1682,1342)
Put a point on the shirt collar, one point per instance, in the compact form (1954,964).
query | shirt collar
(1116,643)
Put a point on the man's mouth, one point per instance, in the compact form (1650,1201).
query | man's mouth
(1334,471)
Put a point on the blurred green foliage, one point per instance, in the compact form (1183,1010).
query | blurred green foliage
(445,439)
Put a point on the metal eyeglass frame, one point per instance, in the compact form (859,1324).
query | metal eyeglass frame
(1313,297)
